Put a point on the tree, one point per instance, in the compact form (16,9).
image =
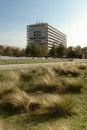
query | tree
(43,50)
(61,49)
(78,52)
(2,50)
(33,49)
(70,52)
(84,52)
(28,50)
(22,52)
(16,51)
(52,51)
(9,51)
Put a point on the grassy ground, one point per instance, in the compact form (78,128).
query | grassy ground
(45,98)
(26,61)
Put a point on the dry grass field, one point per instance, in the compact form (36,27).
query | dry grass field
(53,97)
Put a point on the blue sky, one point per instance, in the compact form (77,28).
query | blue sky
(68,16)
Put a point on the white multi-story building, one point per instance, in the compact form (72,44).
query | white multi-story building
(43,33)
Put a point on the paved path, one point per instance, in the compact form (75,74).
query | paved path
(18,66)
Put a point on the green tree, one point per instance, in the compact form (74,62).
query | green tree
(52,51)
(22,52)
(2,50)
(70,52)
(33,49)
(16,51)
(61,50)
(28,50)
(43,50)
(9,51)
(78,52)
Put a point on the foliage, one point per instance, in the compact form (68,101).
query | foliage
(33,49)
(61,50)
(78,52)
(53,52)
(36,50)
(43,51)
(11,51)
(70,52)
(1,50)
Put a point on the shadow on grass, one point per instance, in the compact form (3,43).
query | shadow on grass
(41,118)
(44,89)
(8,110)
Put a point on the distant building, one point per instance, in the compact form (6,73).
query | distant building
(45,34)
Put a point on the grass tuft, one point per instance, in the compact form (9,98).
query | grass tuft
(49,82)
(65,69)
(71,85)
(19,99)
(59,106)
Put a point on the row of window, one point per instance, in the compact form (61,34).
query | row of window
(56,38)
(54,34)
(55,30)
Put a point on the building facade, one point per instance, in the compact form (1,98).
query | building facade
(45,34)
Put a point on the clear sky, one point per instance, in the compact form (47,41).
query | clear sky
(68,16)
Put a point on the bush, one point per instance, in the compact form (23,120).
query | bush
(71,85)
(62,107)
(65,69)
(49,82)
(18,99)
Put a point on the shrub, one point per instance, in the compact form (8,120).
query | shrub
(19,99)
(71,85)
(58,106)
(65,69)
(49,82)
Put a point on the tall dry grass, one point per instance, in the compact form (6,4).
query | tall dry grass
(81,66)
(18,99)
(71,85)
(58,106)
(67,69)
(6,88)
(49,82)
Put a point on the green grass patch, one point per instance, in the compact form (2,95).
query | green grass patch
(27,61)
